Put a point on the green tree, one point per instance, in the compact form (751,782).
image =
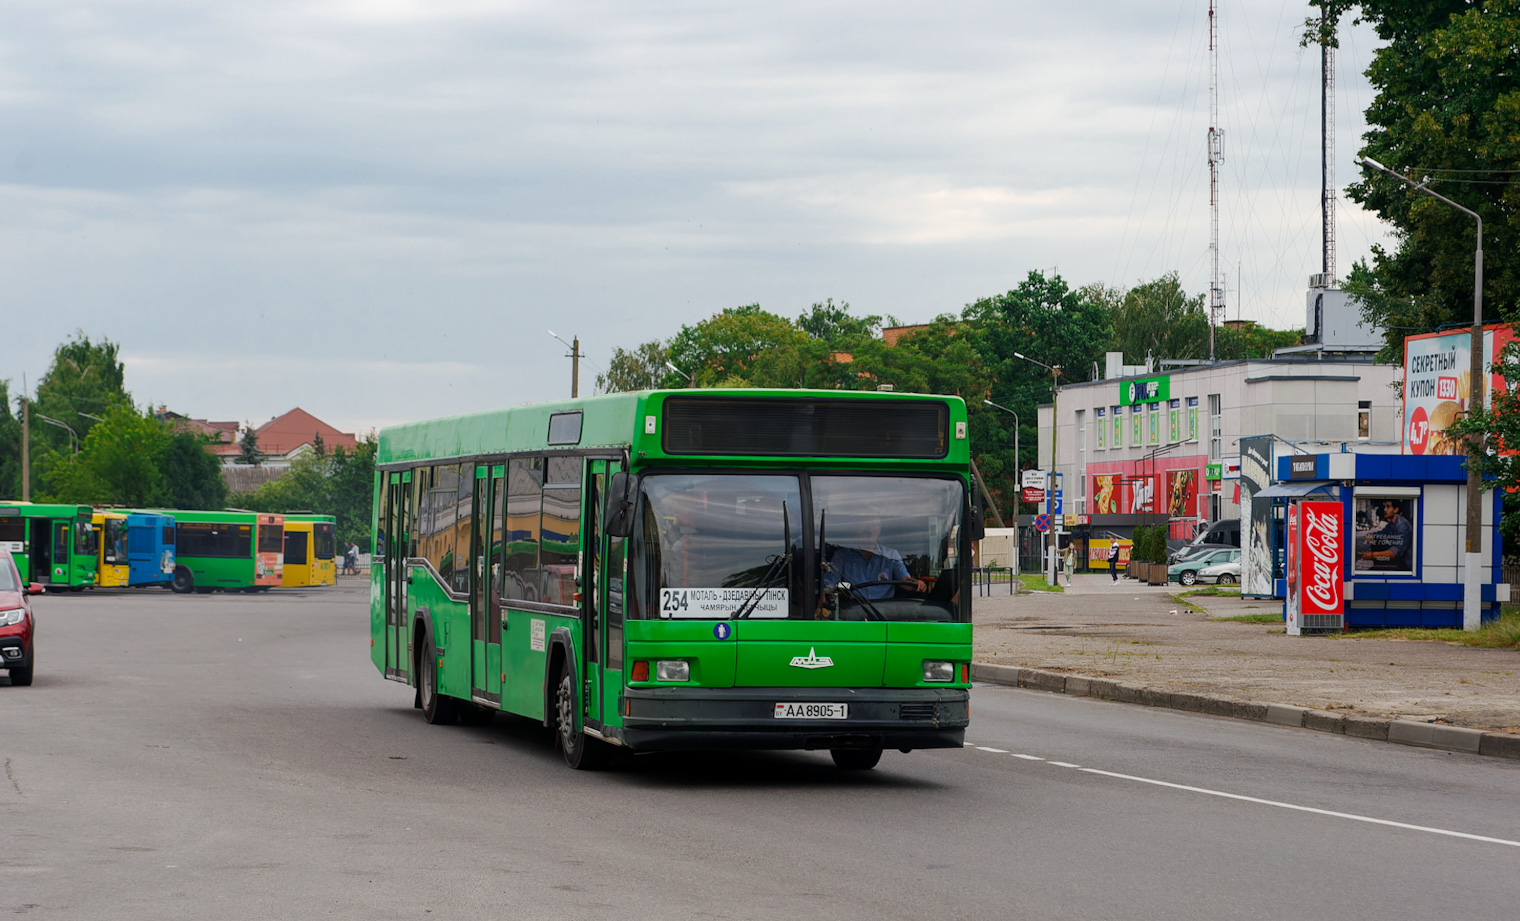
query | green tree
(1497,428)
(834,324)
(250,447)
(744,346)
(341,484)
(192,475)
(1248,340)
(10,446)
(641,368)
(1158,319)
(116,465)
(1446,112)
(84,380)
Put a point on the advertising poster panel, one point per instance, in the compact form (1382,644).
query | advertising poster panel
(1321,558)
(1106,494)
(1182,493)
(1102,427)
(1118,426)
(1386,528)
(1137,425)
(1140,494)
(1437,375)
(1256,545)
(1290,603)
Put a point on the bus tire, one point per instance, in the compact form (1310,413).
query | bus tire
(182,582)
(21,675)
(436,708)
(581,752)
(855,759)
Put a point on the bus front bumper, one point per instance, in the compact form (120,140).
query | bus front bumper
(688,718)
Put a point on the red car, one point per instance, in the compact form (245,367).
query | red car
(16,626)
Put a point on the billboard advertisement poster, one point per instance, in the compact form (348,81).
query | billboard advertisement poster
(1137,425)
(1106,494)
(1174,409)
(1155,417)
(1102,427)
(1140,493)
(1293,616)
(1321,558)
(1182,493)
(1118,426)
(1386,530)
(1437,377)
(1257,547)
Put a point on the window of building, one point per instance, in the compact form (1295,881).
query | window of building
(1363,420)
(1216,429)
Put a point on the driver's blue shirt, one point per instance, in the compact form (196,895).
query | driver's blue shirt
(850,565)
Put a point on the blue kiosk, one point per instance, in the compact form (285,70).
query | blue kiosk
(1406,535)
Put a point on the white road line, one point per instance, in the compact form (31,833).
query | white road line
(1326,812)
(1064,764)
(995,751)
(1030,757)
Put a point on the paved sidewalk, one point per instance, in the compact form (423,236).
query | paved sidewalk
(1140,644)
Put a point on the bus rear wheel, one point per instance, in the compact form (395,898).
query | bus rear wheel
(183,582)
(581,752)
(436,708)
(855,759)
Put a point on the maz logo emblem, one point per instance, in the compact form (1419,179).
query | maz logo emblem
(812,660)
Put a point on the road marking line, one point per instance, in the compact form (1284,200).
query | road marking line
(995,751)
(1326,812)
(1064,764)
(1030,757)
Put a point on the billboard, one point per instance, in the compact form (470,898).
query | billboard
(1437,378)
(1182,493)
(1139,494)
(1106,494)
(1257,550)
(1386,529)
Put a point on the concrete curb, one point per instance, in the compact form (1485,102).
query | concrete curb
(1401,732)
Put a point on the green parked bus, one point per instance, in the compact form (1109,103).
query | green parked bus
(53,545)
(228,551)
(677,570)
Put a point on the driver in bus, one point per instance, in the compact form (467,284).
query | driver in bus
(869,562)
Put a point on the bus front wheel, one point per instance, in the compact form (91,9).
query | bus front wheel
(183,582)
(581,752)
(855,759)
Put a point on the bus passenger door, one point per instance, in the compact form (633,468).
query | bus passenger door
(61,555)
(485,601)
(142,558)
(593,588)
(396,664)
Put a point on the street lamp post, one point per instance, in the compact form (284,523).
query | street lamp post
(575,364)
(692,377)
(73,437)
(1055,427)
(1472,564)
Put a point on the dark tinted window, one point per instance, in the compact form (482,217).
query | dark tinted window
(323,534)
(824,428)
(271,537)
(295,548)
(221,541)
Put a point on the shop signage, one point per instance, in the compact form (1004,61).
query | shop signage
(1213,472)
(1032,494)
(1145,390)
(1034,479)
(1302,468)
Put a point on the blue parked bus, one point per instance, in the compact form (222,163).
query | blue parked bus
(136,548)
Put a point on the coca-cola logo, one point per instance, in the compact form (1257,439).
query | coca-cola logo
(1322,559)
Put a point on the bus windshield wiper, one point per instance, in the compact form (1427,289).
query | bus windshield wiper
(753,601)
(840,584)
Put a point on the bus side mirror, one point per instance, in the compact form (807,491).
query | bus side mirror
(978,522)
(617,519)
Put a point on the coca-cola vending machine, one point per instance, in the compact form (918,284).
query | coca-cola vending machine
(1316,568)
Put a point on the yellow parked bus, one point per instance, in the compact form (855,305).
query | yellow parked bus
(310,550)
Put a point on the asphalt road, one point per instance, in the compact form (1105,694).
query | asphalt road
(232,757)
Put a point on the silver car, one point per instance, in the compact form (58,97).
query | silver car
(1221,573)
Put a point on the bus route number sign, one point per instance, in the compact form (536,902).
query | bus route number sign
(709,603)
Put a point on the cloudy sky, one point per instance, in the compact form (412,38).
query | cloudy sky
(374,209)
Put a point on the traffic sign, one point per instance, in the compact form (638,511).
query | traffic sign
(1034,479)
(1042,522)
(1033,495)
(1055,505)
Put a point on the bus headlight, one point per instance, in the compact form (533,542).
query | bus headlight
(672,670)
(939,671)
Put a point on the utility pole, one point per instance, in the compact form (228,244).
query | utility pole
(1216,157)
(26,442)
(575,363)
(1327,149)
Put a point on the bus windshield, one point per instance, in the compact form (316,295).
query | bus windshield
(735,546)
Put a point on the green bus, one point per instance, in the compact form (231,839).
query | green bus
(678,570)
(230,551)
(53,545)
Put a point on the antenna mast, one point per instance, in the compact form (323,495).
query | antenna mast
(1327,155)
(1216,157)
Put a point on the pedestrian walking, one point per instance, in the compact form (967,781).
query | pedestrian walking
(1069,561)
(1113,559)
